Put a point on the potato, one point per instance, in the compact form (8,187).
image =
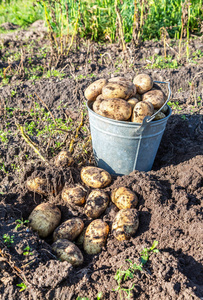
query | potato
(69,229)
(133,102)
(156,97)
(63,159)
(96,104)
(164,109)
(95,89)
(45,183)
(122,89)
(66,250)
(143,83)
(95,177)
(141,110)
(95,236)
(96,204)
(117,109)
(80,240)
(125,224)
(124,198)
(44,219)
(73,195)
(37,185)
(159,116)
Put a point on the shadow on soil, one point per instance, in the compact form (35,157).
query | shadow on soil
(181,141)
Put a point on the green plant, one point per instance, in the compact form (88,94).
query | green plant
(123,275)
(22,285)
(8,239)
(20,223)
(27,251)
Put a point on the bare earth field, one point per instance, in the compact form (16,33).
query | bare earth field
(170,195)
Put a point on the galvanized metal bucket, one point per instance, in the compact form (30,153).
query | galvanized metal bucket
(120,147)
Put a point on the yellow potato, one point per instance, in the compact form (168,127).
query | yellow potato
(80,240)
(96,105)
(133,102)
(96,204)
(74,195)
(95,236)
(125,224)
(67,251)
(117,109)
(143,83)
(69,229)
(141,110)
(95,177)
(122,89)
(38,185)
(95,89)
(63,159)
(124,198)
(44,219)
(159,116)
(156,97)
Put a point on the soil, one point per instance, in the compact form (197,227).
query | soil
(170,195)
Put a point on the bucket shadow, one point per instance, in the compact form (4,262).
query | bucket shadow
(181,141)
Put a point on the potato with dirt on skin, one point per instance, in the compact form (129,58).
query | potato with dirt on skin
(165,109)
(44,219)
(120,89)
(133,101)
(80,239)
(37,185)
(74,195)
(96,104)
(95,236)
(116,109)
(155,97)
(96,203)
(159,116)
(141,110)
(125,224)
(143,83)
(63,159)
(69,229)
(67,251)
(95,177)
(95,89)
(124,198)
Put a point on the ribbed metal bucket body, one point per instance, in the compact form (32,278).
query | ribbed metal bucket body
(121,147)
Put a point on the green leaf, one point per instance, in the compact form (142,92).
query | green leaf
(154,245)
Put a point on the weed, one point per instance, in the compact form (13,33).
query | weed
(20,223)
(22,285)
(27,251)
(162,63)
(175,105)
(123,275)
(8,239)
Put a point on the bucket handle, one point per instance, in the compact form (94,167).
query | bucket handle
(148,119)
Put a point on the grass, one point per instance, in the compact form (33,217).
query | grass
(20,12)
(98,21)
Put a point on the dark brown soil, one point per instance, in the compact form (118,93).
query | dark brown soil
(170,196)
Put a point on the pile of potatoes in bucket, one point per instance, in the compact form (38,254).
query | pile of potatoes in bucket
(71,235)
(120,99)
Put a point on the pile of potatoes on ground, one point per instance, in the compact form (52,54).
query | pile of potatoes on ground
(120,99)
(45,219)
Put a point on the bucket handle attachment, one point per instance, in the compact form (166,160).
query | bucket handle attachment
(148,119)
